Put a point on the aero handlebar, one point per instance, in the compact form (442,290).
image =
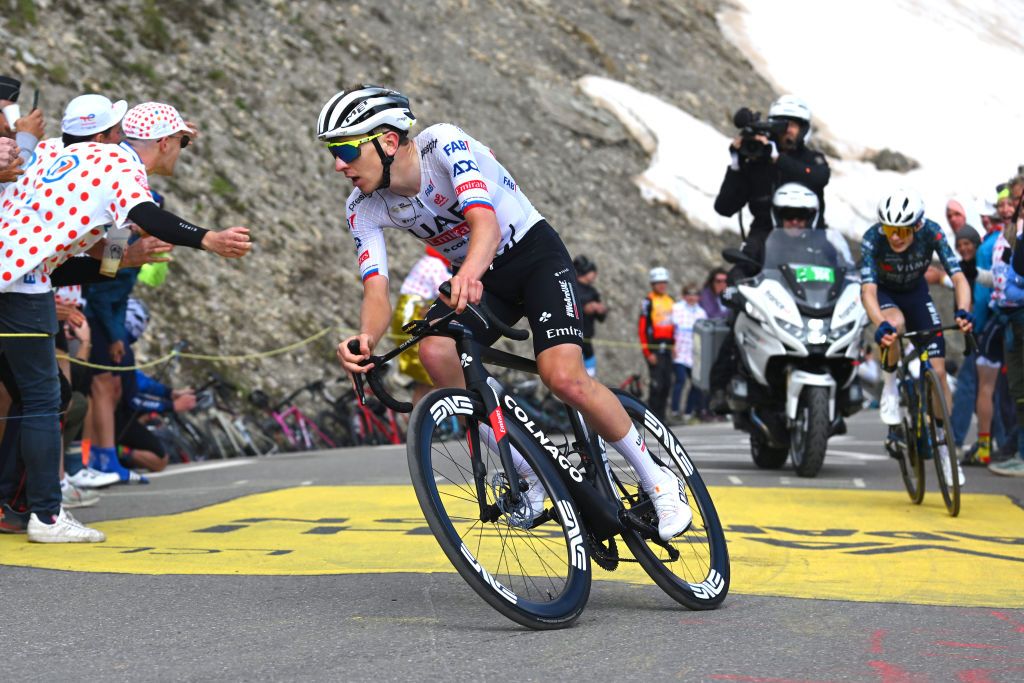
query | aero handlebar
(376,380)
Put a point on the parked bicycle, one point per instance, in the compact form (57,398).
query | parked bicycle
(288,426)
(232,433)
(352,422)
(538,572)
(926,431)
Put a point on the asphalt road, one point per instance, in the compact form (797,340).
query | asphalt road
(311,567)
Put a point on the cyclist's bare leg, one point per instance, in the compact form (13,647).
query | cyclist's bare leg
(562,370)
(441,359)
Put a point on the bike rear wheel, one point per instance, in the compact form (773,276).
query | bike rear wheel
(911,463)
(693,568)
(537,575)
(941,442)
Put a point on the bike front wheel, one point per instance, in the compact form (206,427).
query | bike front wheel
(535,571)
(941,442)
(693,568)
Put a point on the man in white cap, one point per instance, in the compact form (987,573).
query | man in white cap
(87,118)
(85,190)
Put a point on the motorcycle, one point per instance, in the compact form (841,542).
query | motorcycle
(798,334)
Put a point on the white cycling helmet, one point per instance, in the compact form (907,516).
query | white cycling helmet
(902,208)
(790,107)
(359,111)
(658,275)
(794,200)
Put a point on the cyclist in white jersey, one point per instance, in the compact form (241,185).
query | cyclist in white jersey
(447,189)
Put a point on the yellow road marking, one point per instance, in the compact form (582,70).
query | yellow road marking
(848,545)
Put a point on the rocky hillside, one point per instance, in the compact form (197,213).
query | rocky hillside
(254,74)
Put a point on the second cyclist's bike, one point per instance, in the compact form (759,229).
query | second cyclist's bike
(533,562)
(925,431)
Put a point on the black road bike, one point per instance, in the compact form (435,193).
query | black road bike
(925,430)
(534,566)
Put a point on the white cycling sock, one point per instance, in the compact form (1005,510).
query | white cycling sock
(634,450)
(522,467)
(889,383)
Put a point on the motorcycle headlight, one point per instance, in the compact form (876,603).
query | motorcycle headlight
(840,331)
(790,328)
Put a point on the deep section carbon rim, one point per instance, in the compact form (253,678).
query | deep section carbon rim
(537,574)
(694,568)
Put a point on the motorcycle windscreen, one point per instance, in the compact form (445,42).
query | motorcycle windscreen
(809,263)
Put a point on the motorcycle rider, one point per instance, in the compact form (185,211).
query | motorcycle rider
(753,181)
(794,208)
(895,253)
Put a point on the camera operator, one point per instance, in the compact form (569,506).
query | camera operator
(765,156)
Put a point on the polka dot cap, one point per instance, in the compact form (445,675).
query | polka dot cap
(152,121)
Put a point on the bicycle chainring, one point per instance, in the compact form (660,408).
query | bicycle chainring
(605,553)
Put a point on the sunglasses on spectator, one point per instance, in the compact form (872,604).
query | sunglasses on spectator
(183,140)
(902,231)
(349,151)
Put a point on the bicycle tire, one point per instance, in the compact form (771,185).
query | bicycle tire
(537,577)
(950,490)
(911,463)
(699,578)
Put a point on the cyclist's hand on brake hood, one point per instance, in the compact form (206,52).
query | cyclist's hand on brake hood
(465,290)
(349,359)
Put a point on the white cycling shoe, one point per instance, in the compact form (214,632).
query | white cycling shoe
(669,498)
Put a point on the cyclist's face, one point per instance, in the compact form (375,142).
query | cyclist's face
(365,171)
(900,239)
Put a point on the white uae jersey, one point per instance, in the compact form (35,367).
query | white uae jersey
(457,173)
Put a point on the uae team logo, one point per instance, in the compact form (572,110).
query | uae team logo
(60,168)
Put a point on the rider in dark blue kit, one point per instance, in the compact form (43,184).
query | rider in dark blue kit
(895,252)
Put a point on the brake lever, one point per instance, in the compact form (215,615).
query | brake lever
(357,377)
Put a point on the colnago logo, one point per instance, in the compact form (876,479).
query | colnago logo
(569,299)
(490,580)
(669,442)
(450,405)
(577,551)
(542,439)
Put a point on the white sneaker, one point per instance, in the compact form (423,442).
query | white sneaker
(88,478)
(947,469)
(669,498)
(74,497)
(889,403)
(66,529)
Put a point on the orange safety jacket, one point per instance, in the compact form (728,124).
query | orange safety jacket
(655,328)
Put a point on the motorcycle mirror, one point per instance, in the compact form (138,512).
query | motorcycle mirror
(736,257)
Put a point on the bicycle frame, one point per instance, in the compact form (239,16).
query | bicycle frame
(303,424)
(597,502)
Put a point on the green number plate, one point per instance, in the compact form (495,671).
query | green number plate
(814,274)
